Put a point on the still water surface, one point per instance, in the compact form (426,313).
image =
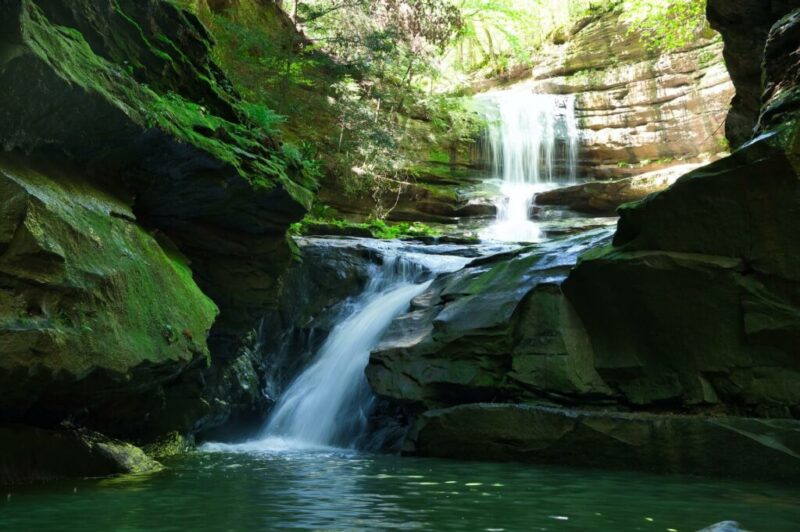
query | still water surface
(338,490)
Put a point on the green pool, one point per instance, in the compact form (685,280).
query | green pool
(337,490)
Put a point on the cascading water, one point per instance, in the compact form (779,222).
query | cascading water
(328,404)
(532,142)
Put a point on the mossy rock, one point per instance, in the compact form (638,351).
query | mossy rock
(29,454)
(94,306)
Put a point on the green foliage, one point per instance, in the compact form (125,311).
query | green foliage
(499,34)
(374,227)
(263,117)
(665,25)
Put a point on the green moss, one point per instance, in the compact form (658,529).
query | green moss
(242,145)
(438,156)
(172,444)
(376,228)
(133,300)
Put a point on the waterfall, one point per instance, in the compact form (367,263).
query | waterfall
(532,143)
(328,403)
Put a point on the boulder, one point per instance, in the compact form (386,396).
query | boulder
(658,443)
(95,310)
(146,236)
(498,329)
(29,455)
(604,197)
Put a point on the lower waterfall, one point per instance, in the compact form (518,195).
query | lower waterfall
(328,404)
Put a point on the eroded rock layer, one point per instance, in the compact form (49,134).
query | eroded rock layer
(638,109)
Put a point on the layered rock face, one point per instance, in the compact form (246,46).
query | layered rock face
(720,239)
(691,313)
(604,197)
(639,110)
(142,212)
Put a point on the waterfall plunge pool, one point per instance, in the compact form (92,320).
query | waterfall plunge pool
(339,490)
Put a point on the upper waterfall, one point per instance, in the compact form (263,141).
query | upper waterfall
(532,138)
(531,141)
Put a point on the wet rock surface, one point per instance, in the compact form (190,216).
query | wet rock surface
(642,442)
(29,454)
(500,328)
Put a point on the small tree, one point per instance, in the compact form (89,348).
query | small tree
(665,25)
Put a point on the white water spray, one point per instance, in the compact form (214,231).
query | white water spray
(532,140)
(328,403)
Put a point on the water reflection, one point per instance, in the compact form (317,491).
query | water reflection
(337,490)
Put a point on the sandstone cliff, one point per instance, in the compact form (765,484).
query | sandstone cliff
(639,109)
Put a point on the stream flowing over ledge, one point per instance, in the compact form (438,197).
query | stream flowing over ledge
(152,298)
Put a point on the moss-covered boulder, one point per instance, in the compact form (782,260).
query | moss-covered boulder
(93,306)
(29,454)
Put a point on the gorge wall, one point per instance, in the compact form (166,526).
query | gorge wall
(677,337)
(638,109)
(745,26)
(142,227)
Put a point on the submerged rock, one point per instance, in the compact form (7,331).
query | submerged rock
(29,454)
(662,443)
(724,526)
